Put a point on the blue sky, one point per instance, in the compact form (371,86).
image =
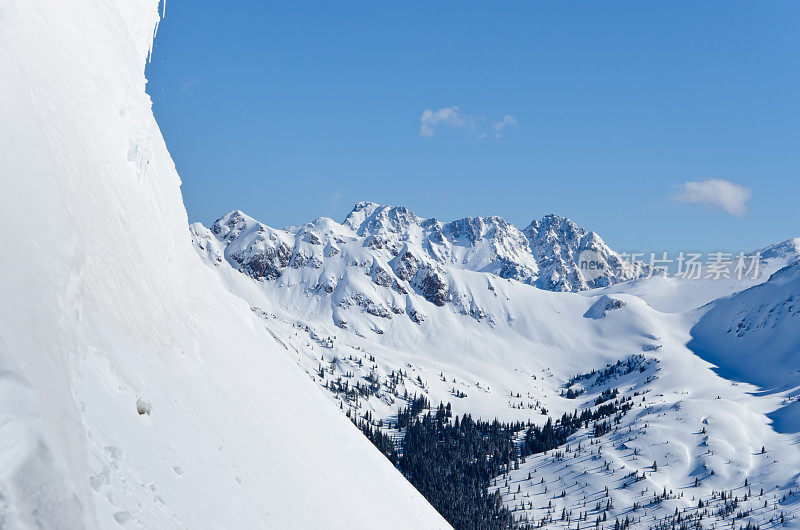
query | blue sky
(294,110)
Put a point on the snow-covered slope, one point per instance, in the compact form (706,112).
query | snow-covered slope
(754,336)
(134,389)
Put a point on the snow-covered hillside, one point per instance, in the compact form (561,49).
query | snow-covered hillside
(135,390)
(502,348)
(754,336)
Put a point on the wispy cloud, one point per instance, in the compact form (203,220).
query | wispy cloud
(446,116)
(454,118)
(717,193)
(507,121)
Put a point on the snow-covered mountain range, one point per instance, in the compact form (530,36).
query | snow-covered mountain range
(387,260)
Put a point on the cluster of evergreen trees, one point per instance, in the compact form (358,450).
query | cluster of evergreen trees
(414,408)
(606,395)
(451,461)
(554,434)
(611,371)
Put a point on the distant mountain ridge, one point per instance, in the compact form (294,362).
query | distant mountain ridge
(544,254)
(407,258)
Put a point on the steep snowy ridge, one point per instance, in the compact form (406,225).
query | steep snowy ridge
(135,390)
(545,254)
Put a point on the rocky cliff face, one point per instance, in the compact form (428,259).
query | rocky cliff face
(409,259)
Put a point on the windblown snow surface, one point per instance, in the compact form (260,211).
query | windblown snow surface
(496,347)
(135,390)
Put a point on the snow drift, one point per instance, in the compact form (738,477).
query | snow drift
(134,389)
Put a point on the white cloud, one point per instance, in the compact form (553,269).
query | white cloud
(507,121)
(449,116)
(717,193)
(455,118)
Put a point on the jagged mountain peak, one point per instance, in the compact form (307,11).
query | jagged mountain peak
(365,207)
(557,243)
(477,228)
(231,224)
(553,227)
(554,222)
(368,218)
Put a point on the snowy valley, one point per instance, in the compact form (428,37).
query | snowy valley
(393,315)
